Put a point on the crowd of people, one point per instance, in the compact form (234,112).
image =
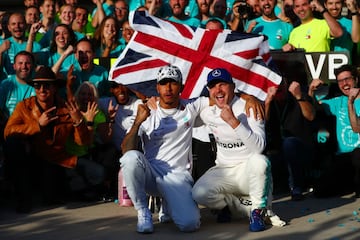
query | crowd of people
(68,129)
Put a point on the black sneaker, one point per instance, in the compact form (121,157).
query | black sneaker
(224,216)
(296,195)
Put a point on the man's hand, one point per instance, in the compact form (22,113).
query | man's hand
(228,116)
(315,83)
(295,90)
(353,94)
(91,111)
(254,104)
(74,111)
(5,46)
(143,113)
(288,47)
(112,110)
(48,116)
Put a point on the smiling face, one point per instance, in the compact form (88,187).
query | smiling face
(109,28)
(81,16)
(23,66)
(62,37)
(346,81)
(45,92)
(47,9)
(204,6)
(16,26)
(221,93)
(178,7)
(67,14)
(127,31)
(334,7)
(302,9)
(120,92)
(267,7)
(32,15)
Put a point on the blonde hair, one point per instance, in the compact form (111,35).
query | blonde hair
(92,87)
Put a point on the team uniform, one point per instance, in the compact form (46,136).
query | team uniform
(313,36)
(12,92)
(347,139)
(190,21)
(240,169)
(343,43)
(277,31)
(15,47)
(164,167)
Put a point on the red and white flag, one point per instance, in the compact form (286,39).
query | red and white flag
(196,51)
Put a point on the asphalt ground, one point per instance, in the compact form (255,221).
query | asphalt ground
(313,218)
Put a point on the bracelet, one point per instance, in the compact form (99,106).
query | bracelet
(301,100)
(78,123)
(323,11)
(111,120)
(354,14)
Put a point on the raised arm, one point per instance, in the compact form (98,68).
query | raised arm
(56,67)
(355,27)
(131,140)
(99,14)
(335,28)
(354,119)
(307,109)
(32,34)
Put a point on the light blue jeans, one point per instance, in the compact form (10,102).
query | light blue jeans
(158,179)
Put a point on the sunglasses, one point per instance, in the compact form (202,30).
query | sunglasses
(45,85)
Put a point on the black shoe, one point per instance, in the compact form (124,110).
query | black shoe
(224,216)
(296,195)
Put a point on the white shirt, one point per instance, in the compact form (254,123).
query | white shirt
(235,145)
(167,134)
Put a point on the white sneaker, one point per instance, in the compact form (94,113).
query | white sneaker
(272,219)
(145,223)
(164,216)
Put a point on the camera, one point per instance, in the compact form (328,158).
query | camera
(244,9)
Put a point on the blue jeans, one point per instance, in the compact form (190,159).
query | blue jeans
(174,186)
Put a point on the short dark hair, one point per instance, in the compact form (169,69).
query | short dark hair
(25,53)
(85,39)
(346,68)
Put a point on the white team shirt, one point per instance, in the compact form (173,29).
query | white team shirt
(235,146)
(167,134)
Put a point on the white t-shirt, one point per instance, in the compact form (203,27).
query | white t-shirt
(235,145)
(166,134)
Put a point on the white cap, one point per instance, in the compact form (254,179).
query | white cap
(169,72)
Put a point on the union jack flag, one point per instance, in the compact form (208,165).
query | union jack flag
(196,52)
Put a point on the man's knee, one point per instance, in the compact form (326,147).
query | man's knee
(200,193)
(190,223)
(130,158)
